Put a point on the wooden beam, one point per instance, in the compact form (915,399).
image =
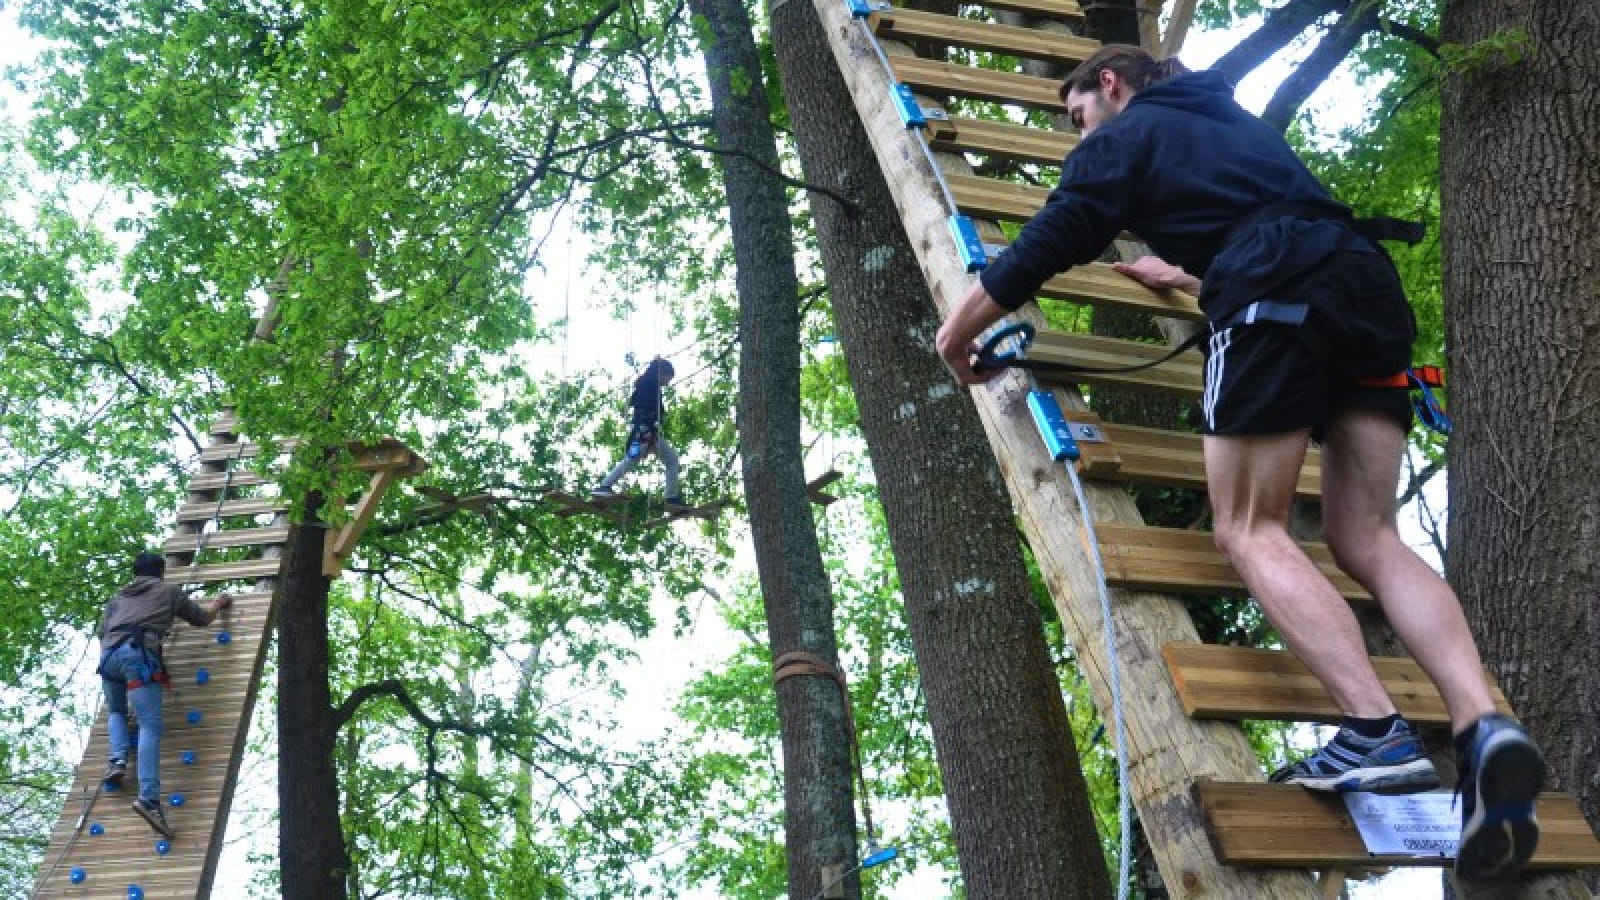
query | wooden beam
(337,543)
(254,506)
(225,452)
(1282,825)
(242,570)
(1181,376)
(1005,140)
(991,198)
(234,537)
(1175,459)
(941,78)
(212,481)
(1179,561)
(1062,10)
(1218,682)
(951,31)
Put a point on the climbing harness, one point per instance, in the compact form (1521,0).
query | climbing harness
(1422,379)
(641,441)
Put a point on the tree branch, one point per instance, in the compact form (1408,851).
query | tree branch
(1358,19)
(1280,27)
(1411,33)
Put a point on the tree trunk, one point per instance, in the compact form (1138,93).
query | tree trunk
(1017,799)
(1521,225)
(312,857)
(819,815)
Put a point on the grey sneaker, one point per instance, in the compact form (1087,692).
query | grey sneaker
(1502,773)
(1392,764)
(116,771)
(152,813)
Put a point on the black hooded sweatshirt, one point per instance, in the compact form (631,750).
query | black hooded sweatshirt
(646,399)
(1179,167)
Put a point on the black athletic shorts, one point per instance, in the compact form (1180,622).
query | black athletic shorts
(1268,377)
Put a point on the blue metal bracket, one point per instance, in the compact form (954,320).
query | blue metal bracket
(906,104)
(860,9)
(968,244)
(1052,425)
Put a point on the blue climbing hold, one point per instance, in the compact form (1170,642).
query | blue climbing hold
(97,829)
(194,717)
(188,757)
(223,637)
(135,892)
(163,847)
(176,800)
(201,676)
(76,876)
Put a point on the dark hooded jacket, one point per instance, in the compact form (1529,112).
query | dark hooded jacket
(1180,167)
(646,400)
(149,605)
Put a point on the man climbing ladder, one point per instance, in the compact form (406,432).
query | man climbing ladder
(1303,308)
(132,671)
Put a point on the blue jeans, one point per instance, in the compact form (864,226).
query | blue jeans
(123,664)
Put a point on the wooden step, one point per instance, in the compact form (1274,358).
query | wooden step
(1063,10)
(1005,140)
(991,198)
(1283,825)
(1181,376)
(254,506)
(271,535)
(941,79)
(1217,682)
(242,450)
(1153,456)
(231,571)
(1100,285)
(950,31)
(225,423)
(1178,561)
(213,481)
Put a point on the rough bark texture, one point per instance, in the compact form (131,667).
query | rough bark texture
(819,819)
(312,857)
(1520,179)
(1016,796)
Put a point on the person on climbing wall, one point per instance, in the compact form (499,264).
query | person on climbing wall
(1307,318)
(132,627)
(644,435)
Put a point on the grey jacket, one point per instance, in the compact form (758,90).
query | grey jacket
(149,605)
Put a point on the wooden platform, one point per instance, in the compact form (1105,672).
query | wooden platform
(1283,825)
(1217,682)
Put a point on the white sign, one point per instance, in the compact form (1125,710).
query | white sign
(1407,825)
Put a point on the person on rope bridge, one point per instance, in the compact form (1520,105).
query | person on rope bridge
(131,670)
(1309,327)
(644,435)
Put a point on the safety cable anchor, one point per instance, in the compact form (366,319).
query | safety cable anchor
(968,244)
(861,9)
(1052,425)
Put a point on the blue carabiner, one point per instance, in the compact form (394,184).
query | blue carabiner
(990,357)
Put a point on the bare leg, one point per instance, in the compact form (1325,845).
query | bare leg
(1251,479)
(1360,472)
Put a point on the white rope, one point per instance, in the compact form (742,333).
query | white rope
(1125,837)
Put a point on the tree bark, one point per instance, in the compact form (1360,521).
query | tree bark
(1520,194)
(1017,799)
(312,856)
(819,815)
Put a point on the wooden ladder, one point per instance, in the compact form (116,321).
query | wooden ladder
(1216,829)
(215,676)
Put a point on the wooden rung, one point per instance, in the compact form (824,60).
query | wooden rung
(1217,682)
(225,423)
(951,31)
(941,78)
(991,198)
(1064,10)
(1179,561)
(271,535)
(231,571)
(1284,825)
(1176,459)
(245,450)
(1177,376)
(1100,285)
(254,506)
(1003,139)
(212,481)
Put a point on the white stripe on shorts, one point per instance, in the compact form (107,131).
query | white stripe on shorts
(1214,368)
